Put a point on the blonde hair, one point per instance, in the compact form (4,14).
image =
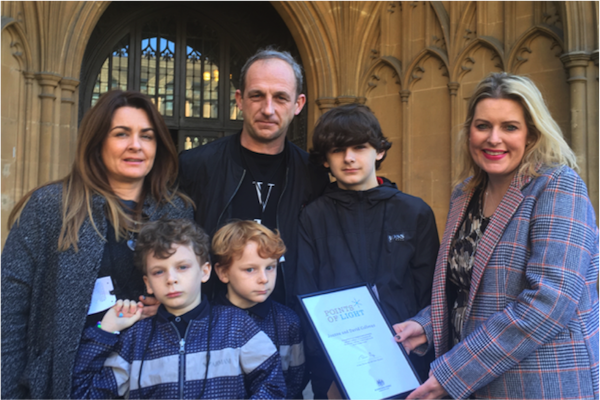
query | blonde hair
(546,143)
(229,242)
(89,176)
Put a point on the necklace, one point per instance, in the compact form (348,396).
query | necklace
(132,239)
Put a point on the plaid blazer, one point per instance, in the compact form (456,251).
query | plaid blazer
(531,323)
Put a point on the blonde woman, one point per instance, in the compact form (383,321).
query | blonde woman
(514,310)
(72,236)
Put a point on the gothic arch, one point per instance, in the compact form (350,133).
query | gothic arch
(391,62)
(518,53)
(415,70)
(79,35)
(21,49)
(465,60)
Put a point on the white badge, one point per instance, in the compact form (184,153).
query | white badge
(101,297)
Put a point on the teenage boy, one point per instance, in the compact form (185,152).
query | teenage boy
(189,349)
(245,257)
(363,229)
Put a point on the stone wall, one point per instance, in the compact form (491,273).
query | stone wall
(414,63)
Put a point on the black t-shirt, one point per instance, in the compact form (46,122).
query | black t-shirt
(265,176)
(259,193)
(117,262)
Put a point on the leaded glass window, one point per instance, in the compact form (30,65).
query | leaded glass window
(157,75)
(188,62)
(236,62)
(202,72)
(113,73)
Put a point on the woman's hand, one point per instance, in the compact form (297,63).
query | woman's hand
(121,316)
(150,306)
(431,389)
(410,334)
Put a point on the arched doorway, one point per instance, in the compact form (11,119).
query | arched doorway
(187,57)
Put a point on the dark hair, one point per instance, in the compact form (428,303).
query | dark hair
(158,237)
(88,175)
(344,126)
(229,242)
(267,54)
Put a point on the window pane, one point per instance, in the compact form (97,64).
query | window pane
(157,75)
(202,72)
(235,66)
(113,74)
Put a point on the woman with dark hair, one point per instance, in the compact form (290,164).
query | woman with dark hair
(70,249)
(514,310)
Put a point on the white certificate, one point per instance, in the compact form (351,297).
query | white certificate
(359,343)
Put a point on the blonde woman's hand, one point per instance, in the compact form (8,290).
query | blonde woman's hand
(410,334)
(431,389)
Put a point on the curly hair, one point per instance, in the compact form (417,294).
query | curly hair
(158,237)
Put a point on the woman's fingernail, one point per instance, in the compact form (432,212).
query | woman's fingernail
(398,337)
(120,315)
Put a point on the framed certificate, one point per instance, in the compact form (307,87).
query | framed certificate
(358,341)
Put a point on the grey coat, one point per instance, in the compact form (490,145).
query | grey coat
(46,293)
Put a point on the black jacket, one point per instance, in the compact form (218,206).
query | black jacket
(380,236)
(211,176)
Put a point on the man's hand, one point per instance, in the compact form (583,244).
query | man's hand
(122,315)
(150,306)
(431,389)
(410,334)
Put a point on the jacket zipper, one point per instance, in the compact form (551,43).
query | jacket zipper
(231,198)
(181,357)
(181,366)
(364,258)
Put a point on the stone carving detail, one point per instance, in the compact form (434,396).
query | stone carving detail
(522,55)
(444,70)
(469,35)
(373,81)
(498,61)
(378,77)
(417,73)
(391,7)
(550,15)
(556,45)
(524,51)
(374,54)
(467,63)
(438,42)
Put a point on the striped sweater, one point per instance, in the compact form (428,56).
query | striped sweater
(243,362)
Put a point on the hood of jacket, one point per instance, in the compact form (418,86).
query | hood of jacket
(350,198)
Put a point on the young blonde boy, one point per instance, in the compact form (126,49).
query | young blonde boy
(189,349)
(245,256)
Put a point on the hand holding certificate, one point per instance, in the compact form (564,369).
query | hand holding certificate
(359,344)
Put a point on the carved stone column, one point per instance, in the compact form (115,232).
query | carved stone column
(576,64)
(594,57)
(406,159)
(31,151)
(454,121)
(341,100)
(325,104)
(67,137)
(48,83)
